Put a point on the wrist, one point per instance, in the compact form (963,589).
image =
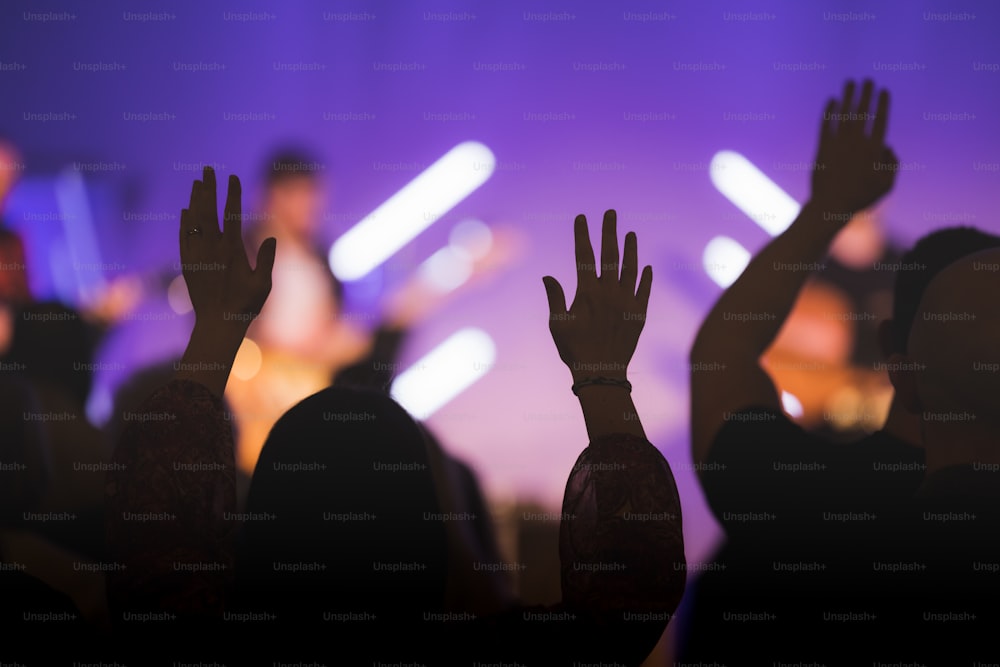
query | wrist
(220,328)
(581,371)
(215,343)
(600,390)
(601,385)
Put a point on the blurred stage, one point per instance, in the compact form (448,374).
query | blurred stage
(116,108)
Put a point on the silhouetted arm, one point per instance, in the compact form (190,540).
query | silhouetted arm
(621,547)
(621,542)
(597,335)
(854,169)
(622,565)
(225,292)
(171,493)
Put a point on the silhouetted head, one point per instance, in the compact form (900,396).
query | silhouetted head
(919,266)
(954,345)
(55,346)
(343,512)
(294,192)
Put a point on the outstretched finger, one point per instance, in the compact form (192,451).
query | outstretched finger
(645,286)
(881,117)
(186,232)
(829,125)
(860,122)
(630,262)
(556,296)
(846,106)
(195,196)
(232,221)
(609,246)
(585,269)
(209,212)
(265,261)
(193,246)
(197,212)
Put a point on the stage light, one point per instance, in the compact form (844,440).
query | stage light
(724,260)
(248,360)
(410,211)
(87,277)
(446,269)
(792,405)
(472,238)
(178,297)
(753,192)
(444,372)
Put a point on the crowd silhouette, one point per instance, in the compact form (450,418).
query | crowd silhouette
(356,537)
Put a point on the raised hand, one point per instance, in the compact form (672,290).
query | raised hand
(597,335)
(225,292)
(854,166)
(222,286)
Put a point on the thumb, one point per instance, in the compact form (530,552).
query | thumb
(889,158)
(554,292)
(265,259)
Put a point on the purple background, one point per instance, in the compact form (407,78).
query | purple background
(520,425)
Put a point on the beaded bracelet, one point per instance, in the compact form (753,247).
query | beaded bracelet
(602,380)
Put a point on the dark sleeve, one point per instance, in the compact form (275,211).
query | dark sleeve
(621,508)
(621,547)
(170,496)
(379,368)
(763,468)
(25,471)
(623,569)
(27,602)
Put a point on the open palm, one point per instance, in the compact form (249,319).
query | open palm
(597,335)
(222,285)
(854,166)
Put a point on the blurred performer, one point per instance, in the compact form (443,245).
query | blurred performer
(303,318)
(301,340)
(827,355)
(298,341)
(14,290)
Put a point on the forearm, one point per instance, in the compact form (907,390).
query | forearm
(607,410)
(763,296)
(210,353)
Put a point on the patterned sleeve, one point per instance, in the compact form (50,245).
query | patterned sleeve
(622,560)
(171,497)
(621,546)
